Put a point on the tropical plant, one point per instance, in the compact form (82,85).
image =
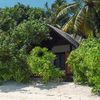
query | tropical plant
(36,13)
(86,20)
(19,32)
(13,65)
(41,64)
(13,16)
(29,33)
(51,13)
(85,64)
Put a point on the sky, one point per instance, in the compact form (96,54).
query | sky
(33,3)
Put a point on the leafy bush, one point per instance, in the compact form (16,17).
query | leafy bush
(13,65)
(85,63)
(36,13)
(30,33)
(21,28)
(41,64)
(13,16)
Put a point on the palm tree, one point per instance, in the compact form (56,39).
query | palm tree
(52,12)
(86,20)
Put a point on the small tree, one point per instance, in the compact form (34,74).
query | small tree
(85,63)
(41,64)
(29,33)
(13,65)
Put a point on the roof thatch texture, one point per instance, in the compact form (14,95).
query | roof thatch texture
(65,35)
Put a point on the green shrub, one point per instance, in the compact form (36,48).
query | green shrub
(41,64)
(14,46)
(85,63)
(13,65)
(29,33)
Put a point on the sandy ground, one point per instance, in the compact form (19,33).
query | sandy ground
(52,91)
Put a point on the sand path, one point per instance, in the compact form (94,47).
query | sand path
(52,91)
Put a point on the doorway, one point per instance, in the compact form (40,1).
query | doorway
(60,60)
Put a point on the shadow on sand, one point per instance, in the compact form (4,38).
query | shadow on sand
(12,86)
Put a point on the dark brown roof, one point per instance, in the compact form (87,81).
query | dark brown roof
(68,37)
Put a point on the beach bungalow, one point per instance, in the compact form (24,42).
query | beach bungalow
(61,44)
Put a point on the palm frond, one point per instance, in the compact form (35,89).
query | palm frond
(64,11)
(83,24)
(69,25)
(79,21)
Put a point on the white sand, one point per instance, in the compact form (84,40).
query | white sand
(52,91)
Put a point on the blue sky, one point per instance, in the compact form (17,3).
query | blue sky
(33,3)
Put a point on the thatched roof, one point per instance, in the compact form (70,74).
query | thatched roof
(68,37)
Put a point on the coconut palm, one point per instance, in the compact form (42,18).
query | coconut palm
(52,12)
(86,20)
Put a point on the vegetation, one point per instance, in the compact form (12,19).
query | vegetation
(22,28)
(41,64)
(51,13)
(24,24)
(13,64)
(85,63)
(13,16)
(29,33)
(85,21)
(57,14)
(19,33)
